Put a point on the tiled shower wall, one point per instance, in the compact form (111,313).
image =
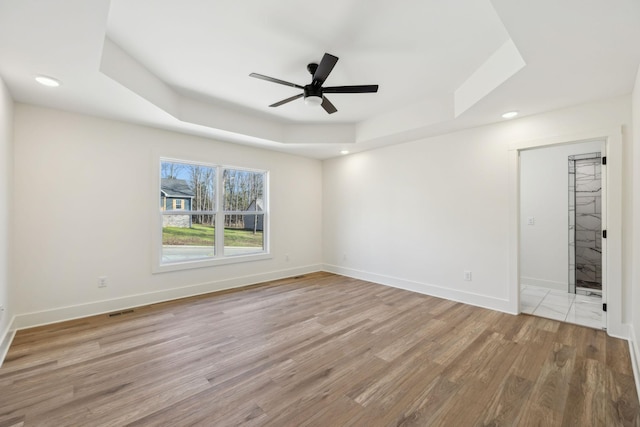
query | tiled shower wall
(585,224)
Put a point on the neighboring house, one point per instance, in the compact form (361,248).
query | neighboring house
(176,195)
(250,220)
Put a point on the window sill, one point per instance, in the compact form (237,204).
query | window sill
(203,263)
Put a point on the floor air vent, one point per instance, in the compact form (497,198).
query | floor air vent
(120,313)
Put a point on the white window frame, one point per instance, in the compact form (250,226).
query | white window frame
(219,214)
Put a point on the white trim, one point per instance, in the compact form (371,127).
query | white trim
(612,267)
(425,288)
(6,339)
(587,136)
(30,320)
(635,357)
(547,284)
(202,263)
(513,278)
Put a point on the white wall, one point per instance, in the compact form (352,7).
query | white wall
(83,198)
(414,215)
(635,313)
(6,203)
(417,215)
(544,195)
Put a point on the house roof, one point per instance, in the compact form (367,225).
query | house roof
(252,206)
(176,188)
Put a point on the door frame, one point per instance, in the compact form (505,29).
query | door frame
(612,248)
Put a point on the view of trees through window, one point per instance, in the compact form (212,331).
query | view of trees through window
(243,192)
(236,204)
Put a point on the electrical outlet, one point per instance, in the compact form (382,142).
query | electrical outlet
(467,276)
(531,221)
(344,257)
(286,257)
(102,281)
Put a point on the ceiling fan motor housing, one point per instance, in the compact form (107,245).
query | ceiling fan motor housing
(313,95)
(312,90)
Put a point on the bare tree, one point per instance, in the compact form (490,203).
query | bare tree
(201,181)
(171,170)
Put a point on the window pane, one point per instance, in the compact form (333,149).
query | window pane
(244,234)
(243,190)
(192,200)
(187,237)
(187,187)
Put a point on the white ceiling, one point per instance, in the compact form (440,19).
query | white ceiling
(441,66)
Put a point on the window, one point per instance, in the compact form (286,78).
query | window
(210,215)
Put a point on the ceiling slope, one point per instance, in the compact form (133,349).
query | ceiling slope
(441,67)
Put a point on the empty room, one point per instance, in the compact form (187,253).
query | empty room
(352,213)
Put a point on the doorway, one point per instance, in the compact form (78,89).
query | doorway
(561,195)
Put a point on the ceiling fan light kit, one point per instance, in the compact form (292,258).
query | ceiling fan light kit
(313,100)
(313,93)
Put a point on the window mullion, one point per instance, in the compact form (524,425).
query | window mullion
(219,234)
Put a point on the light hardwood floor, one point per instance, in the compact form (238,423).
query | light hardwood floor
(321,350)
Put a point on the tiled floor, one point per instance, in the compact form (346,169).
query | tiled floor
(579,309)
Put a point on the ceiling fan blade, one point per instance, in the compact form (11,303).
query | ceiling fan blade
(271,79)
(328,106)
(351,89)
(324,68)
(284,101)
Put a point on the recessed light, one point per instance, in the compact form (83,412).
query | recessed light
(344,152)
(510,115)
(48,81)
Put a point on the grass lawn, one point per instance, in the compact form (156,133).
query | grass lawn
(203,235)
(235,237)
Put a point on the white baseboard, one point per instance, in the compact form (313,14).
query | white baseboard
(30,320)
(635,356)
(547,284)
(6,338)
(425,288)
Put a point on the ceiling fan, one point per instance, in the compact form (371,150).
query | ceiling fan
(314,93)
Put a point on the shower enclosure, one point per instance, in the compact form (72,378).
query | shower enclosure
(585,224)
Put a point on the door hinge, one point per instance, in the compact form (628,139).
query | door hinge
(604,160)
(604,306)
(604,234)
